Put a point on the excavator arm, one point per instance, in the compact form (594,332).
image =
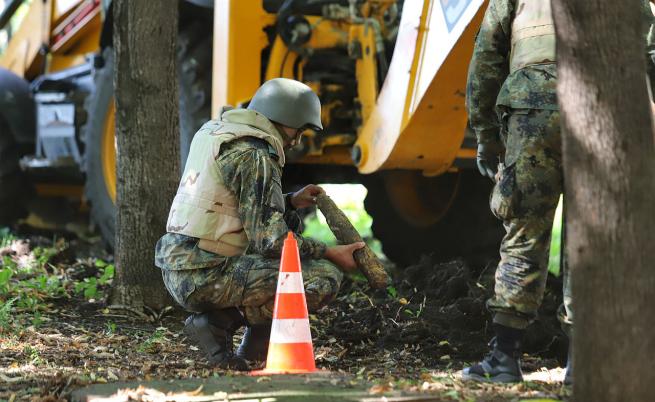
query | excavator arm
(404,114)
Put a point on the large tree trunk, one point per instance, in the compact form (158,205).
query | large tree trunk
(609,168)
(147,133)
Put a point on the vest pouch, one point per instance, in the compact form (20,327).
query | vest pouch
(533,35)
(203,218)
(533,50)
(229,245)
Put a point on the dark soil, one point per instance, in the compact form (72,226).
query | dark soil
(436,314)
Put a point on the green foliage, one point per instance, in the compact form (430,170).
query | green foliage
(5,314)
(357,277)
(412,313)
(6,237)
(350,199)
(89,286)
(150,345)
(392,291)
(28,283)
(555,242)
(43,255)
(5,276)
(32,354)
(110,328)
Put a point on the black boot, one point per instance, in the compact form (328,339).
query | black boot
(503,363)
(254,345)
(213,332)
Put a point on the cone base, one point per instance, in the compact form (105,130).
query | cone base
(290,358)
(279,371)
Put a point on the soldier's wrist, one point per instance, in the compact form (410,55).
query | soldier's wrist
(288,205)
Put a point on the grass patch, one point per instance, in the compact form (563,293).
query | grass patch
(29,283)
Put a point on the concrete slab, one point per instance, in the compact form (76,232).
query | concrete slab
(320,387)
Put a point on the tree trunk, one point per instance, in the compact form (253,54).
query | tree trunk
(145,34)
(609,166)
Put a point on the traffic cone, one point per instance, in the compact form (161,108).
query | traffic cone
(290,346)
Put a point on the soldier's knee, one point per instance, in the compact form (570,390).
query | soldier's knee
(180,286)
(320,290)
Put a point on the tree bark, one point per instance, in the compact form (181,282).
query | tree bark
(609,166)
(343,230)
(145,81)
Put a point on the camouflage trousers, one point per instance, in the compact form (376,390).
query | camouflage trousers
(249,282)
(525,198)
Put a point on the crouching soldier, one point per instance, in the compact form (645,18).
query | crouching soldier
(221,253)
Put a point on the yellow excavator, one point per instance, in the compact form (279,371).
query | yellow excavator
(390,74)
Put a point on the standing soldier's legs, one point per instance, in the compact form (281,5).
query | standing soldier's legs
(525,198)
(247,285)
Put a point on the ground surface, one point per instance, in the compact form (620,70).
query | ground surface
(58,335)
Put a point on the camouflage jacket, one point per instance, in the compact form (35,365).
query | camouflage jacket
(249,169)
(491,87)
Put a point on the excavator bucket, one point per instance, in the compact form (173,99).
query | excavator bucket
(419,119)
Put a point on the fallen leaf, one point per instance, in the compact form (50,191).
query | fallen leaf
(379,389)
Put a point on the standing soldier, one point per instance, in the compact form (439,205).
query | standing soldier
(228,221)
(512,106)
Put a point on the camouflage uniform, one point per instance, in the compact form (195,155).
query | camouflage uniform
(201,281)
(519,110)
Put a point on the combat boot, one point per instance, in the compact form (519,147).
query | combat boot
(213,332)
(254,344)
(503,363)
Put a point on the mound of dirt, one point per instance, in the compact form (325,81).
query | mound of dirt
(435,308)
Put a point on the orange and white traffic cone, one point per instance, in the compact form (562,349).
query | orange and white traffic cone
(290,346)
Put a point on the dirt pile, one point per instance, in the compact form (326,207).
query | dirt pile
(434,312)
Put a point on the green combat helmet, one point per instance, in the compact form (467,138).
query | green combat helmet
(288,102)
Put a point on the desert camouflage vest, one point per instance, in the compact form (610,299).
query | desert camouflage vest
(533,34)
(203,207)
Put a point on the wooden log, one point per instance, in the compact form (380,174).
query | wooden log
(343,230)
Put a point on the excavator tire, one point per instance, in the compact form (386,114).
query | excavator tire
(468,229)
(103,209)
(194,73)
(15,188)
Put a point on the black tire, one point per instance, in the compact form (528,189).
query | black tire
(103,209)
(467,229)
(15,188)
(194,66)
(194,53)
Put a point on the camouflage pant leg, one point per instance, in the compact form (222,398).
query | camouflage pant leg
(526,198)
(249,283)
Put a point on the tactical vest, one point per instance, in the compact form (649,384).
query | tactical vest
(203,207)
(533,34)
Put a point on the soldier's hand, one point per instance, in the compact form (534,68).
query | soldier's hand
(488,158)
(306,196)
(342,256)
